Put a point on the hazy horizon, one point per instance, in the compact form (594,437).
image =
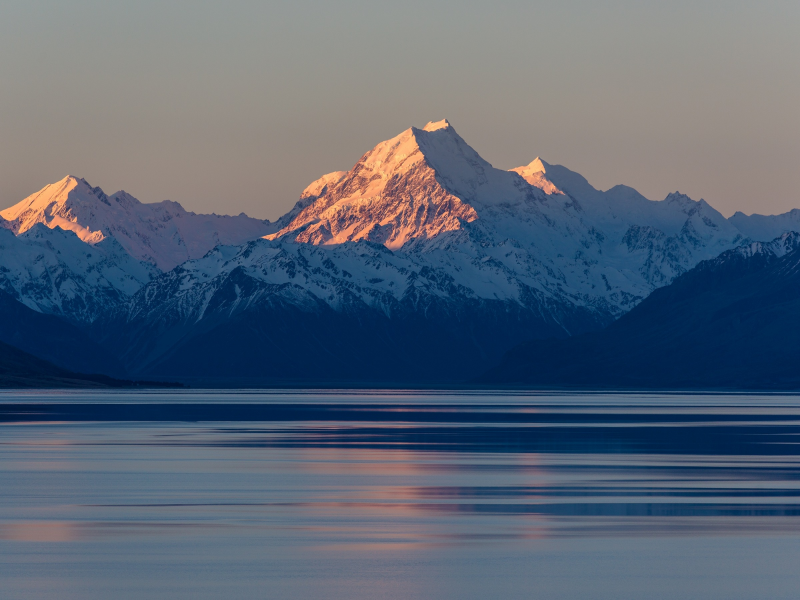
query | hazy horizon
(237,107)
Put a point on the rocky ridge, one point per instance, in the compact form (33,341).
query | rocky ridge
(163,233)
(52,271)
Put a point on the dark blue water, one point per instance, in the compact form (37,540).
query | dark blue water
(398,495)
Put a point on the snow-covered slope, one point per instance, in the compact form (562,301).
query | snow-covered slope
(427,194)
(766,227)
(52,271)
(535,173)
(343,305)
(392,195)
(162,233)
(628,204)
(362,272)
(780,246)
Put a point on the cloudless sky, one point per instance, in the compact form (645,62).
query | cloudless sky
(237,105)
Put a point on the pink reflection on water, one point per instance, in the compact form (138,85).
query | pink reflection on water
(40,531)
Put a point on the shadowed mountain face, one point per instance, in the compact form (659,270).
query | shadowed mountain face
(19,369)
(53,339)
(356,311)
(731,322)
(275,342)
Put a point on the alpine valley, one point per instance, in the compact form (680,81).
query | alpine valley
(421,265)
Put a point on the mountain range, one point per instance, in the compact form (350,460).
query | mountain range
(421,264)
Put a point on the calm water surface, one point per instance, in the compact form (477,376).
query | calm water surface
(398,495)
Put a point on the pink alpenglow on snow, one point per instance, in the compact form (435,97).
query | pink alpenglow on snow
(419,184)
(535,173)
(162,233)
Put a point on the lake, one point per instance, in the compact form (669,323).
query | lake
(402,494)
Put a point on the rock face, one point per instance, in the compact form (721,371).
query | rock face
(163,234)
(421,263)
(731,322)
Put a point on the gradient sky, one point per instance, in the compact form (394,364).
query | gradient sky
(238,105)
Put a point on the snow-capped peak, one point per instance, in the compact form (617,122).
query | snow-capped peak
(678,198)
(537,165)
(535,173)
(55,204)
(162,233)
(434,126)
(416,185)
(766,227)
